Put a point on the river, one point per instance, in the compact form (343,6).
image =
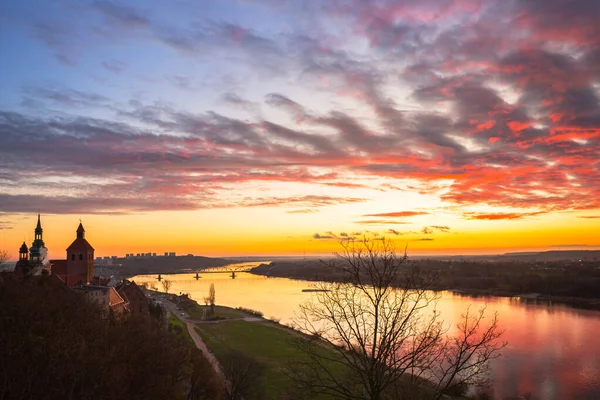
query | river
(553,351)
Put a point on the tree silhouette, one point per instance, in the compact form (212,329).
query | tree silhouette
(166,284)
(386,334)
(4,256)
(71,352)
(211,297)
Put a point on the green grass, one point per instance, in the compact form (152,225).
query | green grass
(184,334)
(270,345)
(196,311)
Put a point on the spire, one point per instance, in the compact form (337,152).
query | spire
(23,252)
(38,228)
(80,231)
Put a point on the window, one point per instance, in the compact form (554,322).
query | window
(81,257)
(73,256)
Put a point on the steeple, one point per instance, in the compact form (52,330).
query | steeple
(38,251)
(38,229)
(80,232)
(23,252)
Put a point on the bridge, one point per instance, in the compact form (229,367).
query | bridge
(232,269)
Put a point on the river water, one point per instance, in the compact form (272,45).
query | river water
(553,351)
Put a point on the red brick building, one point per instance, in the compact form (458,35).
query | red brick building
(79,265)
(134,295)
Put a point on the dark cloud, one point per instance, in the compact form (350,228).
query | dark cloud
(440,228)
(67,97)
(318,236)
(120,14)
(115,66)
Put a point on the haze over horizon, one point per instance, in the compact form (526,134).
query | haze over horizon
(262,127)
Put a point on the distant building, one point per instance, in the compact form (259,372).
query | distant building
(134,295)
(107,298)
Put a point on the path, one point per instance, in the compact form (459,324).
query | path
(172,308)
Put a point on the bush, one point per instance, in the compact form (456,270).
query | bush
(250,311)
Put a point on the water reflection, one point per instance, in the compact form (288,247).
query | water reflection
(552,353)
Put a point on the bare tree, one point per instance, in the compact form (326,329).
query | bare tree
(379,334)
(166,284)
(211,297)
(243,374)
(4,256)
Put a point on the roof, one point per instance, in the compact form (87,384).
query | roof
(115,298)
(90,288)
(38,228)
(59,267)
(80,244)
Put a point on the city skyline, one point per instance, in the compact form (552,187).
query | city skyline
(281,127)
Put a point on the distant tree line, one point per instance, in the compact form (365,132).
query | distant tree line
(553,278)
(54,345)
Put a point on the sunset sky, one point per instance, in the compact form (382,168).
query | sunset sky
(231,127)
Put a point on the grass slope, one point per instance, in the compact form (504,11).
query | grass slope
(267,343)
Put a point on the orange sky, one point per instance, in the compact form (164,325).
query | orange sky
(272,231)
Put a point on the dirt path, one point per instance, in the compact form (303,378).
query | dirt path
(172,308)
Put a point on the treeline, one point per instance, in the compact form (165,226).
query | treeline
(552,278)
(55,345)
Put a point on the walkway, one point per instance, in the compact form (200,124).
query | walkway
(172,308)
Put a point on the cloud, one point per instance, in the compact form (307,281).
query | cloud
(423,240)
(318,236)
(399,214)
(440,93)
(121,15)
(393,232)
(501,216)
(380,222)
(5,225)
(570,245)
(115,66)
(589,216)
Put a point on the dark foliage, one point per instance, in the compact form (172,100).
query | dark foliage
(561,278)
(243,374)
(55,345)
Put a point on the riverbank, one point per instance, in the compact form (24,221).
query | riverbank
(533,298)
(573,284)
(235,338)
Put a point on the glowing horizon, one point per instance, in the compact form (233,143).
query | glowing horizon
(275,128)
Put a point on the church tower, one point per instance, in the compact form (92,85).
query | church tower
(80,260)
(23,252)
(38,253)
(23,266)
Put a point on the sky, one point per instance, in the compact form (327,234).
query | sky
(263,127)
